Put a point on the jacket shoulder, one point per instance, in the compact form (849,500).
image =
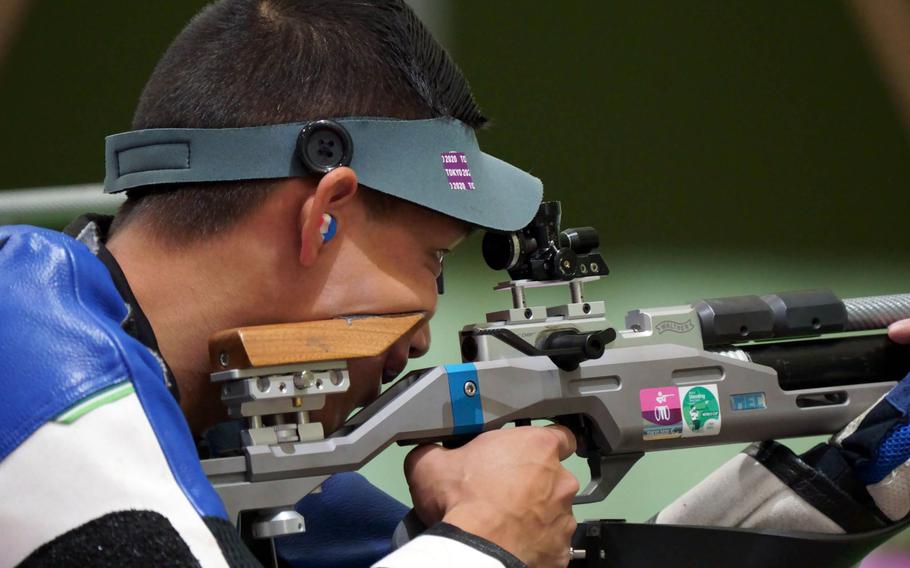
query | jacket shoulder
(60,338)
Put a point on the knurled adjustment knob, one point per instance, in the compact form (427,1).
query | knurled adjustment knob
(565,263)
(324,145)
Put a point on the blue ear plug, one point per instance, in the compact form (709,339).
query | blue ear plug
(328,228)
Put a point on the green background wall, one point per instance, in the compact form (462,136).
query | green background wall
(721,148)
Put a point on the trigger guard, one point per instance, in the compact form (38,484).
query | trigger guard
(606,473)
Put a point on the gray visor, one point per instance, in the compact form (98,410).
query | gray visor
(435,163)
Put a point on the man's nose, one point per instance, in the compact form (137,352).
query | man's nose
(420,341)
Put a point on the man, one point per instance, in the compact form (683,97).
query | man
(112,330)
(105,448)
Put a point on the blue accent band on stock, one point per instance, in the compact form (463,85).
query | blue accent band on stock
(467,411)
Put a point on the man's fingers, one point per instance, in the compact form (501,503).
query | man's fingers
(566,439)
(899,331)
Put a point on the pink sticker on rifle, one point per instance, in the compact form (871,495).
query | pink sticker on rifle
(457,171)
(661,413)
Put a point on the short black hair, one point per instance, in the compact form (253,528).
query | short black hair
(253,62)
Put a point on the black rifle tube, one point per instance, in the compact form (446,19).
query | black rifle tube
(738,319)
(833,362)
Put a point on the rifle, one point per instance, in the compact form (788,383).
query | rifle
(717,371)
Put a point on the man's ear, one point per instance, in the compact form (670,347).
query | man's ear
(334,190)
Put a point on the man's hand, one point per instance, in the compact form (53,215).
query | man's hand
(899,331)
(506,486)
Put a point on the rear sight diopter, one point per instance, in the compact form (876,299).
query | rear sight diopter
(540,251)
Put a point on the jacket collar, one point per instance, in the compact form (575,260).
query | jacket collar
(92,230)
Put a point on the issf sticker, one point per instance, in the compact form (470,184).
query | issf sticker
(700,411)
(661,413)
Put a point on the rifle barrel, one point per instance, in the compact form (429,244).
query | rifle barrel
(819,363)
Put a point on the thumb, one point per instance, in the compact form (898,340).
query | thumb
(422,456)
(419,466)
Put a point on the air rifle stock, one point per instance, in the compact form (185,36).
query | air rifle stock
(673,377)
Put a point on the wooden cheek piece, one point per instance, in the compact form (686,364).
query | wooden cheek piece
(308,342)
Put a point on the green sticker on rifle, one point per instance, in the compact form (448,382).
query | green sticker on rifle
(700,410)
